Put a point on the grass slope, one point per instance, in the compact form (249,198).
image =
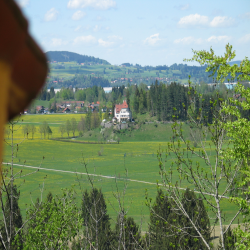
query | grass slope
(138,157)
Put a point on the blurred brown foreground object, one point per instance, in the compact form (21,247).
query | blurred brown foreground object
(23,66)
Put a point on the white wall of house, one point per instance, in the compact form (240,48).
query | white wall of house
(124,114)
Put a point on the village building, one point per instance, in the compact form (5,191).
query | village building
(122,112)
(40,109)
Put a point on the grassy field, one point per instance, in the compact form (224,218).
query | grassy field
(136,154)
(157,132)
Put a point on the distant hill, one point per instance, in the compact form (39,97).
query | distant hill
(66,56)
(234,62)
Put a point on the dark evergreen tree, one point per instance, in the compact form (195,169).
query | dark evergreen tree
(229,240)
(126,234)
(136,100)
(196,211)
(96,220)
(159,231)
(13,219)
(128,97)
(170,229)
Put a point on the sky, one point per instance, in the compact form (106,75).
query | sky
(147,32)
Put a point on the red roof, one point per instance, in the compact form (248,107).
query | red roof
(118,107)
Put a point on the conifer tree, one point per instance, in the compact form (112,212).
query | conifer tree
(126,234)
(96,220)
(229,240)
(13,214)
(158,228)
(197,212)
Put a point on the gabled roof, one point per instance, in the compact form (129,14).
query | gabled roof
(118,107)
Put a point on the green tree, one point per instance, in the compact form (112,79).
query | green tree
(52,92)
(96,220)
(159,230)
(218,184)
(73,126)
(106,115)
(55,223)
(88,120)
(126,234)
(68,127)
(62,129)
(26,130)
(197,212)
(44,129)
(49,131)
(229,240)
(95,120)
(11,223)
(237,128)
(81,125)
(32,130)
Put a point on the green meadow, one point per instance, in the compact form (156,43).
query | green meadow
(132,165)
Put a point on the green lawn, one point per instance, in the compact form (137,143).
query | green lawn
(136,153)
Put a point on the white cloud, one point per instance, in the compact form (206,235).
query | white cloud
(51,15)
(193,20)
(84,39)
(152,40)
(105,43)
(78,15)
(221,21)
(57,42)
(111,41)
(245,15)
(183,7)
(23,3)
(100,18)
(193,40)
(97,28)
(217,39)
(188,40)
(115,38)
(96,4)
(196,20)
(78,28)
(245,39)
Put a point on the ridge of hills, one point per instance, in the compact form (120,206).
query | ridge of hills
(68,69)
(66,56)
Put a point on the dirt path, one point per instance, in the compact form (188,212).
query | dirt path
(215,233)
(103,176)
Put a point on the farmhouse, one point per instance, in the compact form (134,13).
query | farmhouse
(122,112)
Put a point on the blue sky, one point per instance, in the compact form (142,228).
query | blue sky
(147,32)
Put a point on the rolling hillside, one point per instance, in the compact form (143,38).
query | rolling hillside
(66,56)
(71,69)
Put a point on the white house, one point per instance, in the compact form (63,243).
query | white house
(122,112)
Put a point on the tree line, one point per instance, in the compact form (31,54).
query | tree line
(58,221)
(162,101)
